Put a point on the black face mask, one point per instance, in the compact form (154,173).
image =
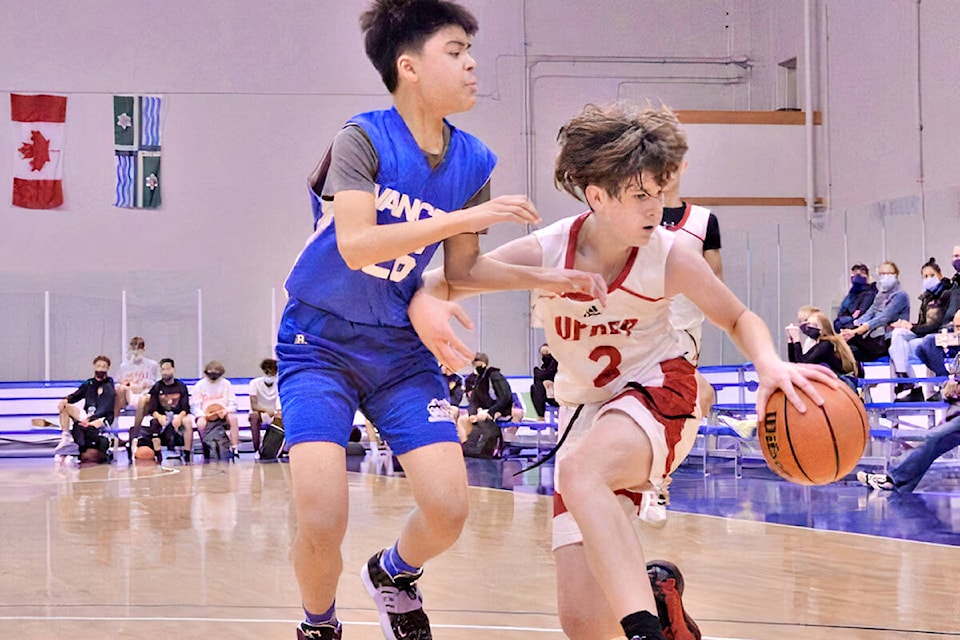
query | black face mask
(213,375)
(480,370)
(167,379)
(100,375)
(810,331)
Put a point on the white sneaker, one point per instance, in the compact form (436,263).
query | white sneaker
(880,481)
(67,446)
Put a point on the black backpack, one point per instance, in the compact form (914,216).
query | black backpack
(485,441)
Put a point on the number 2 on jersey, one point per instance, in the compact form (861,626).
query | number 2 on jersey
(610,372)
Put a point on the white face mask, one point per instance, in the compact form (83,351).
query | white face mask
(931,283)
(887,280)
(269,380)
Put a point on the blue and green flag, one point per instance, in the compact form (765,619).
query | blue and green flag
(136,143)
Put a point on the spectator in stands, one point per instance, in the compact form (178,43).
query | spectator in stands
(541,391)
(858,299)
(934,355)
(906,337)
(829,349)
(264,400)
(794,335)
(81,429)
(212,400)
(455,386)
(907,472)
(168,404)
(137,375)
(929,352)
(489,400)
(870,338)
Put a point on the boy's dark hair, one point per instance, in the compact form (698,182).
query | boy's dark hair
(862,268)
(102,357)
(268,364)
(170,360)
(481,357)
(610,147)
(393,27)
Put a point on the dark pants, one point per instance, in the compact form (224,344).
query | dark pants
(866,349)
(911,466)
(932,355)
(89,438)
(538,395)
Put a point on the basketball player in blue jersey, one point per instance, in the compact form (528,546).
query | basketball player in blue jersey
(395,184)
(628,395)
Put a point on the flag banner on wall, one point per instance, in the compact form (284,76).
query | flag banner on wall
(38,123)
(136,143)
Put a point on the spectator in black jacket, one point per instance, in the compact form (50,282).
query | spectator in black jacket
(541,391)
(828,349)
(171,423)
(858,299)
(489,399)
(81,428)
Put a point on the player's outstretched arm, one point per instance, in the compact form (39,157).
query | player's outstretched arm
(363,242)
(688,273)
(514,266)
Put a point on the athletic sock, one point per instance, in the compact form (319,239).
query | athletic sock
(327,617)
(642,625)
(393,564)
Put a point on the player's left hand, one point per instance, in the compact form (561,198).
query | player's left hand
(430,318)
(585,284)
(789,376)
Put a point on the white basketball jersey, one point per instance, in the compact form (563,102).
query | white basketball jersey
(690,232)
(600,350)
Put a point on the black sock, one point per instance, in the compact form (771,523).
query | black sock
(642,625)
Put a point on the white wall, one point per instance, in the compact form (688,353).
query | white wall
(254,92)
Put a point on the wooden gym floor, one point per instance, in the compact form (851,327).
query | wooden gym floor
(149,552)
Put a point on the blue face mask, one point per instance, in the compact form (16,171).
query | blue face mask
(858,280)
(886,281)
(931,283)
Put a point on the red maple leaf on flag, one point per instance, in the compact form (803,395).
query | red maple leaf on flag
(38,149)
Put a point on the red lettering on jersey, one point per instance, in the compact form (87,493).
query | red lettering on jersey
(598,330)
(627,325)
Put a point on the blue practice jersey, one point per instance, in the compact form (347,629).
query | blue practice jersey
(406,188)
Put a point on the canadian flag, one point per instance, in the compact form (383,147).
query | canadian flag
(38,123)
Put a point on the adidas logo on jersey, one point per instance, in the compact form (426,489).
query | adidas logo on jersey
(592,311)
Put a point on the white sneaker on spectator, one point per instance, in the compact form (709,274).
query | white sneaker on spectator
(67,446)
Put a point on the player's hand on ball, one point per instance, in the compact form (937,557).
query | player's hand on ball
(790,377)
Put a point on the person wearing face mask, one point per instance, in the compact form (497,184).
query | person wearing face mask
(869,339)
(858,299)
(137,375)
(907,337)
(264,400)
(81,428)
(827,348)
(212,400)
(168,404)
(489,399)
(541,391)
(929,352)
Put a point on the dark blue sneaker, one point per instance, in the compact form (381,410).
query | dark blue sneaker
(398,600)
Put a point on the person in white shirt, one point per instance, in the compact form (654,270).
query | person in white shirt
(212,398)
(137,376)
(264,400)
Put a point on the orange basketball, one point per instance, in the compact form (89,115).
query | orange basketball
(819,446)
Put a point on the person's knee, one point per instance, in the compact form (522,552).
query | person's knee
(318,527)
(576,623)
(446,513)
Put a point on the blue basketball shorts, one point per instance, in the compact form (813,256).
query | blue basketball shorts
(330,367)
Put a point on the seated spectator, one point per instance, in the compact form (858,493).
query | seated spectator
(794,335)
(906,337)
(934,355)
(212,401)
(489,400)
(81,429)
(928,351)
(171,424)
(541,391)
(829,349)
(264,400)
(455,386)
(858,298)
(906,473)
(137,375)
(870,338)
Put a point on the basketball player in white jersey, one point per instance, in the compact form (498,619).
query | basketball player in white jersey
(627,394)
